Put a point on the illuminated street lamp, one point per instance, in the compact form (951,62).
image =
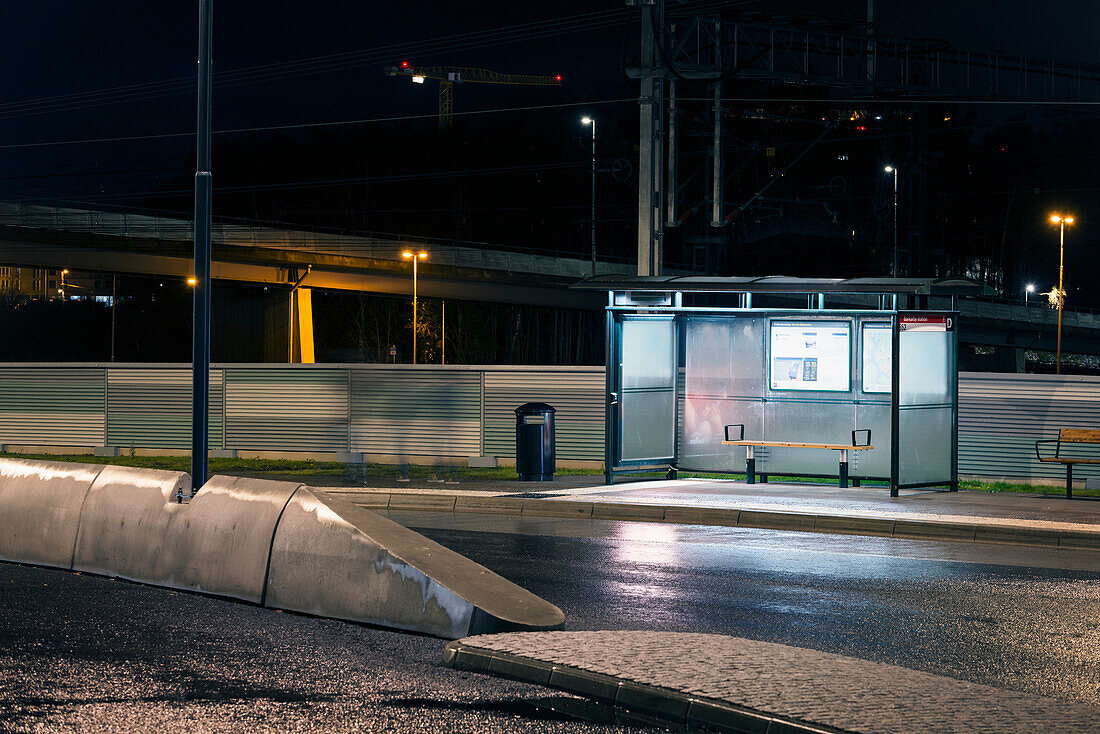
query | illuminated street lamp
(1061,221)
(1028,291)
(61,290)
(891,169)
(589,121)
(409,255)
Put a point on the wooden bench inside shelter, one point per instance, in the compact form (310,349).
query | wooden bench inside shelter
(1070,436)
(843,448)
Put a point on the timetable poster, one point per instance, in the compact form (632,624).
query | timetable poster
(811,355)
(878,357)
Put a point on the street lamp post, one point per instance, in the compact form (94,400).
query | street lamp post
(1061,221)
(409,255)
(891,169)
(592,122)
(1028,291)
(200,330)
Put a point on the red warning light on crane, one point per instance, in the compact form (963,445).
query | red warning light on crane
(404,64)
(557,78)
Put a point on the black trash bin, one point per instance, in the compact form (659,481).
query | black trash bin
(535,442)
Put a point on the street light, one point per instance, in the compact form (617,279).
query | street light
(1061,221)
(1028,291)
(592,122)
(409,255)
(891,169)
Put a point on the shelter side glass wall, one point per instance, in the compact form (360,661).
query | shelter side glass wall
(926,407)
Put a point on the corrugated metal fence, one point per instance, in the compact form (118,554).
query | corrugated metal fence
(398,410)
(1002,415)
(454,411)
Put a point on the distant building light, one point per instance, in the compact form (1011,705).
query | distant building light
(418,80)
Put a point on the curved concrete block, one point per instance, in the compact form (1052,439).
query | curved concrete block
(40,509)
(334,559)
(218,543)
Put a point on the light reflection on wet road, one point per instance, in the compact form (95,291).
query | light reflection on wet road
(84,653)
(1010,616)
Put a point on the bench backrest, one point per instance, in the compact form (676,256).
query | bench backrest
(1079,435)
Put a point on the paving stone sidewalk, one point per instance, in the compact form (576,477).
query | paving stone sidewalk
(822,690)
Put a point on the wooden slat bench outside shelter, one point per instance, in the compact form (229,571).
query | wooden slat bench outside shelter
(1086,436)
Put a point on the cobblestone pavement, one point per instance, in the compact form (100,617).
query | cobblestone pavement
(806,685)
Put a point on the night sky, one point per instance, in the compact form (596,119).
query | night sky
(98,50)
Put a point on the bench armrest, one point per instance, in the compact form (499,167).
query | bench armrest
(855,441)
(740,436)
(1047,440)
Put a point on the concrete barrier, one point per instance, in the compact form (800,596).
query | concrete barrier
(218,543)
(40,505)
(334,559)
(274,543)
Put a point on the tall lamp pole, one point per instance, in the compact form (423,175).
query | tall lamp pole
(592,122)
(1028,291)
(200,348)
(891,169)
(408,255)
(1061,221)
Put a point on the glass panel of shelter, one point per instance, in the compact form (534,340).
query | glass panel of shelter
(926,398)
(647,404)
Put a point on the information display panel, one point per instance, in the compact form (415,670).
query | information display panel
(877,357)
(810,355)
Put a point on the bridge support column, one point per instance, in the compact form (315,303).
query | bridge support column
(301,326)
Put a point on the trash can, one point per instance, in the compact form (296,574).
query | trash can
(535,442)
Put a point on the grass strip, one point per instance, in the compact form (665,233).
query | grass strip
(305,468)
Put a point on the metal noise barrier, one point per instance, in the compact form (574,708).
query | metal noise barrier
(279,544)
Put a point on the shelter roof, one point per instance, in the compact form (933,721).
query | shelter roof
(952,286)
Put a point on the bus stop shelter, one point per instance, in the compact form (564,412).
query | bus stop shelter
(798,360)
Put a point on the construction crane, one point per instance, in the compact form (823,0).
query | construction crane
(448,76)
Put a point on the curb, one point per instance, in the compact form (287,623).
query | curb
(653,701)
(726,517)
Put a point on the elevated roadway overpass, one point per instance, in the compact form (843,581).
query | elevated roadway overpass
(111,242)
(114,242)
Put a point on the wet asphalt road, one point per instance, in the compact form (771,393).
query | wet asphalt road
(1014,617)
(84,653)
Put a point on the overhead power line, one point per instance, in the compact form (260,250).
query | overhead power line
(522,32)
(504,35)
(305,125)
